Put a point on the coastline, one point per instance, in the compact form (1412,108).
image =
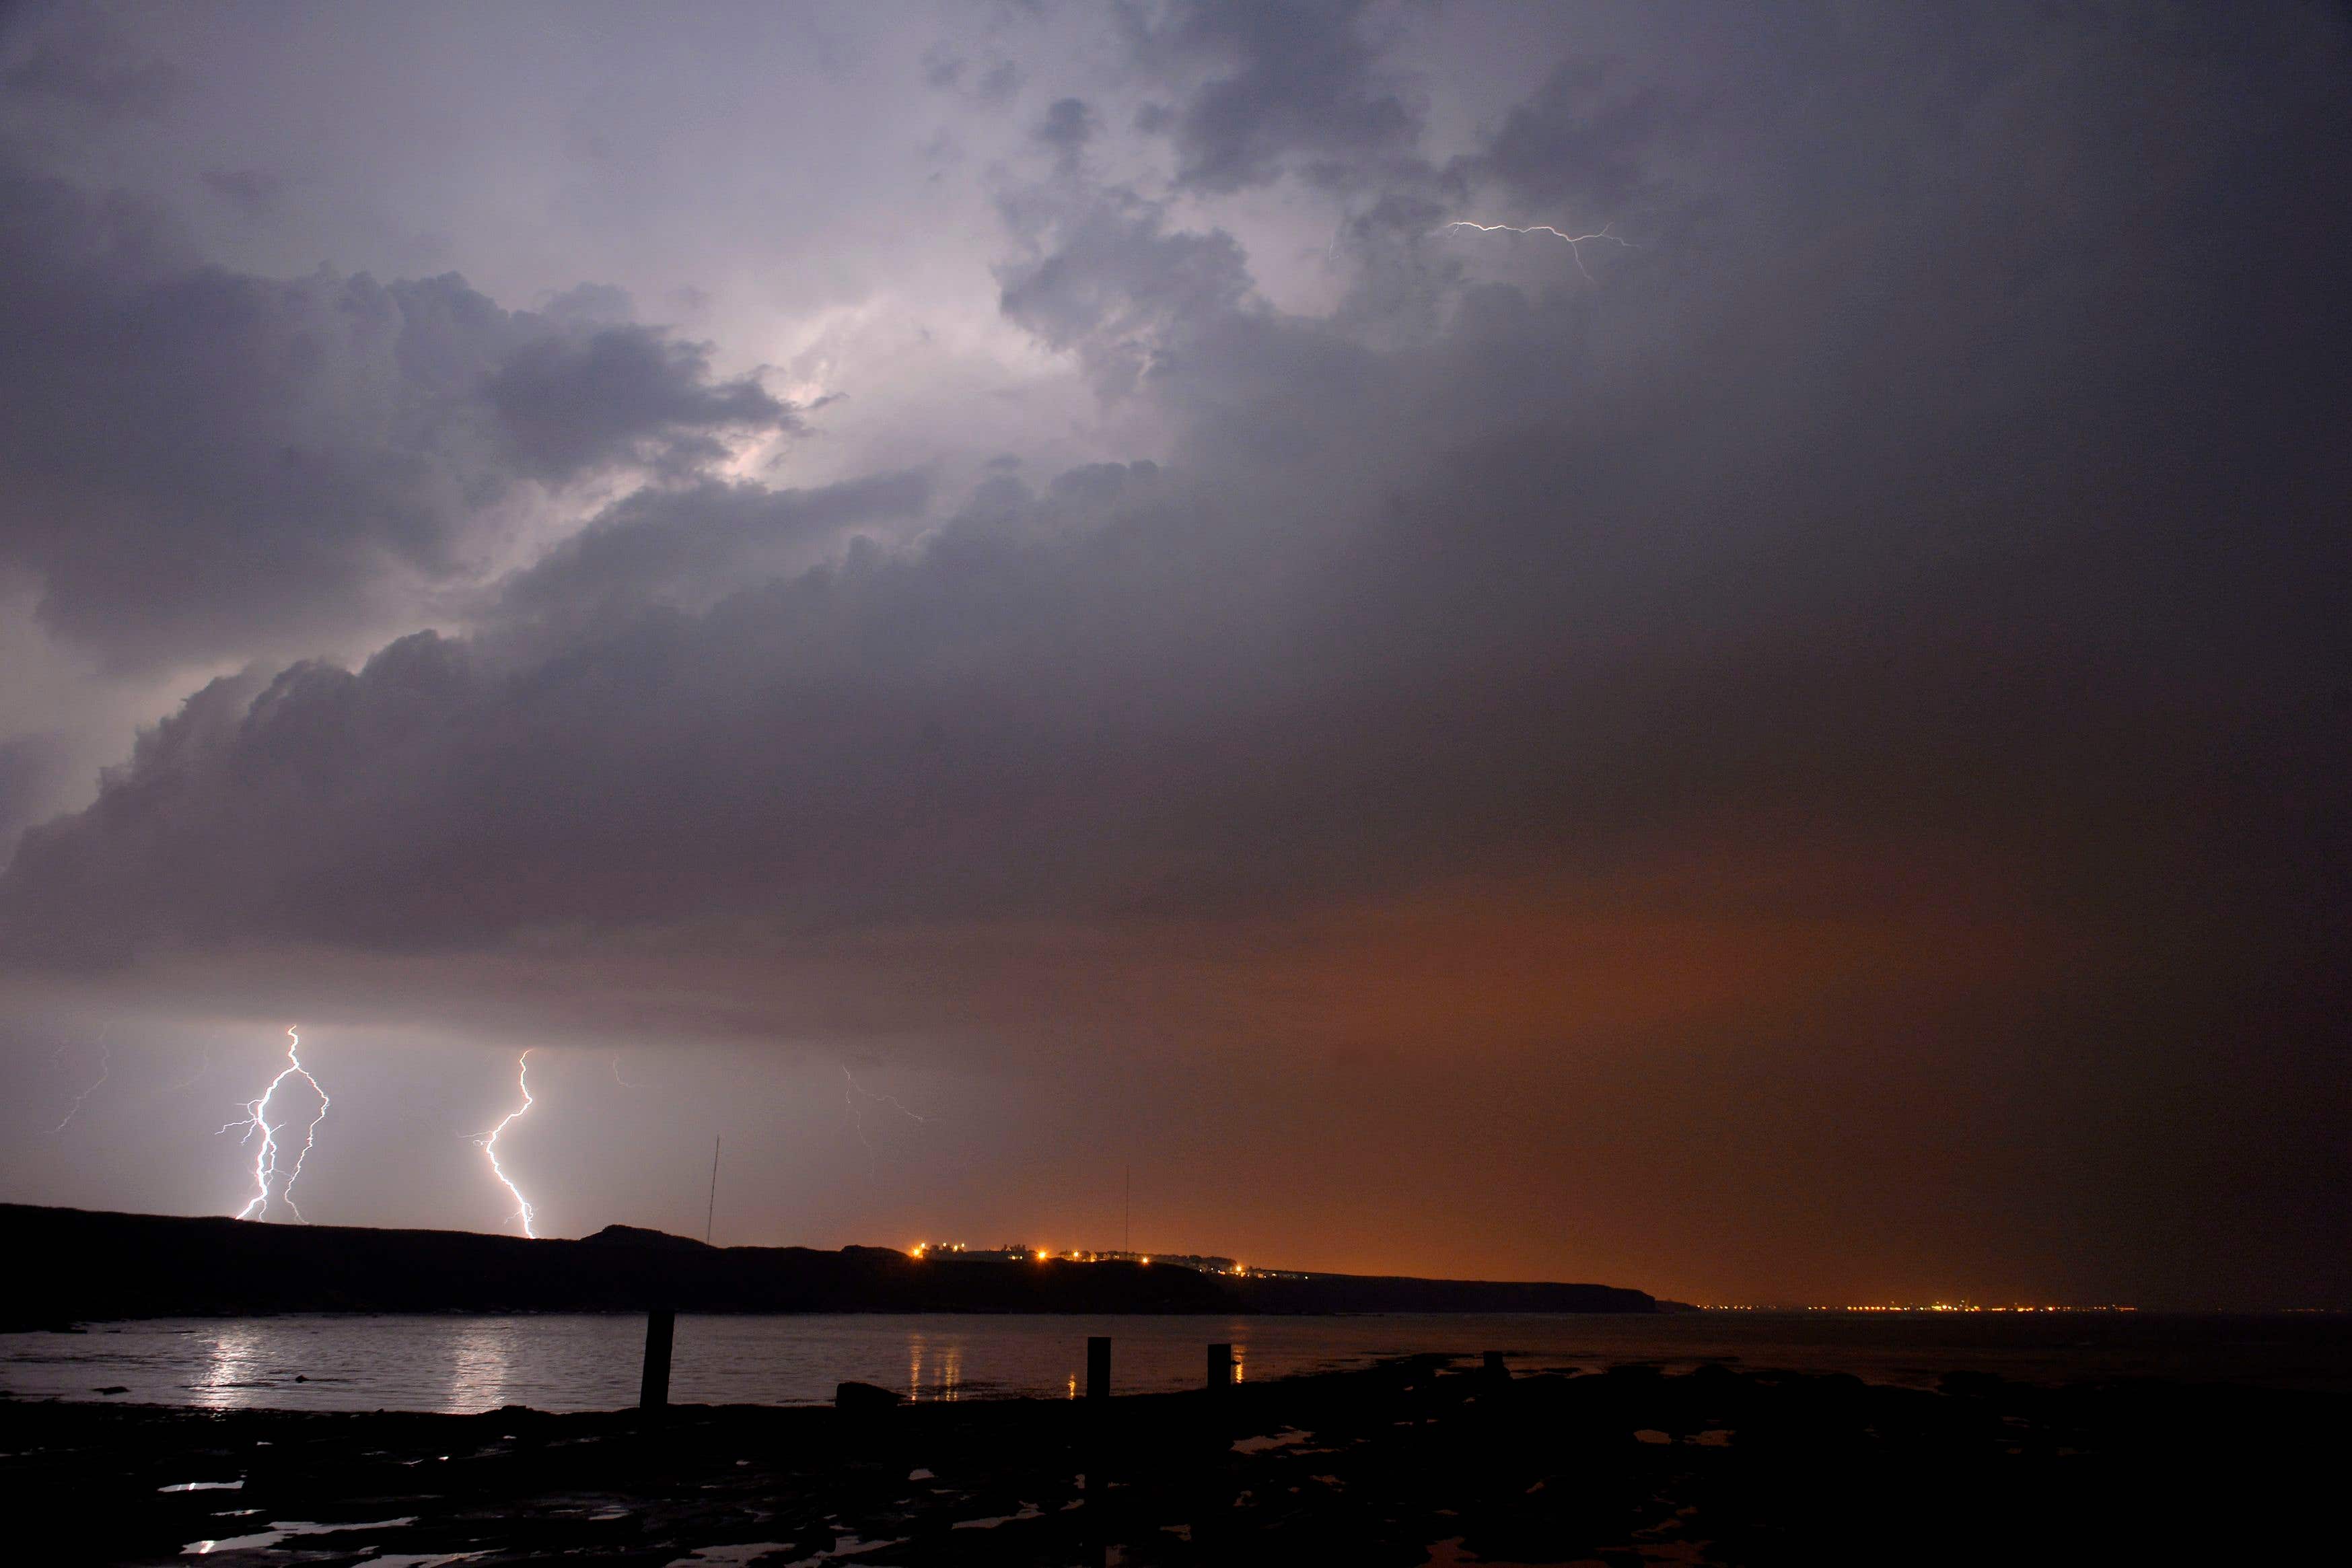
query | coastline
(83,1266)
(465,1363)
(1417,1461)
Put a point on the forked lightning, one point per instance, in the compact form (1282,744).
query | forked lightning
(256,1120)
(490,1143)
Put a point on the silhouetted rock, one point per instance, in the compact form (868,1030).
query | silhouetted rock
(863,1396)
(637,1235)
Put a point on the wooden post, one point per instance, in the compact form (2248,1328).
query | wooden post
(1097,1366)
(661,1326)
(1094,1443)
(1220,1366)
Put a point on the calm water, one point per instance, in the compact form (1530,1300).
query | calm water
(590,1363)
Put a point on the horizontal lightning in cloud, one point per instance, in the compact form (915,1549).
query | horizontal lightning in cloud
(1576,242)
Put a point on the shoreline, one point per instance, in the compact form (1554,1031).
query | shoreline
(1419,1460)
(572,1362)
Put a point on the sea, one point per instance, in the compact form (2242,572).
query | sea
(466,1363)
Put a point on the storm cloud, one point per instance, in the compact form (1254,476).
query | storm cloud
(1849,681)
(197,455)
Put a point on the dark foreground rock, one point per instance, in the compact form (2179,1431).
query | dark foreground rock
(1414,1463)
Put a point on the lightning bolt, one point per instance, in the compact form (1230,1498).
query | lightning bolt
(1576,242)
(257,1120)
(849,1098)
(490,1143)
(105,1064)
(205,1065)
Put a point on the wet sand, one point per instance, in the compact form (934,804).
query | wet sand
(1417,1462)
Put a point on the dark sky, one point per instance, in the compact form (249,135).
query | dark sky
(972,597)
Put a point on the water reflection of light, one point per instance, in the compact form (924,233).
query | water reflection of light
(230,1378)
(1241,1361)
(479,1369)
(947,1369)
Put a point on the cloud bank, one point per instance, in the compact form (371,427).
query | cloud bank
(1873,631)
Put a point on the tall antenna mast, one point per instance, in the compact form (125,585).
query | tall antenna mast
(1127,1214)
(712,1212)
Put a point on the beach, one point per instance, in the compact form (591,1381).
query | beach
(1421,1460)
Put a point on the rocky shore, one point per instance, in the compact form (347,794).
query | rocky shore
(1416,1462)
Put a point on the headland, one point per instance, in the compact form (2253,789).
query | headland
(74,1265)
